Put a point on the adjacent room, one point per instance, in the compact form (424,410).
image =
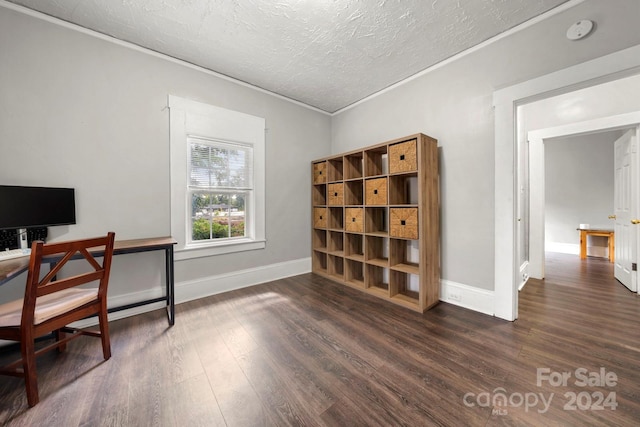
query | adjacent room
(577,161)
(318,212)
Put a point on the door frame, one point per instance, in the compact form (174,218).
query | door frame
(610,67)
(537,139)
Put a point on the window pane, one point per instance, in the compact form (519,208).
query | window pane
(217,164)
(200,175)
(237,215)
(240,168)
(200,217)
(209,166)
(217,215)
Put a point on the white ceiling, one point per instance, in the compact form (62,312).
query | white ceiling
(324,53)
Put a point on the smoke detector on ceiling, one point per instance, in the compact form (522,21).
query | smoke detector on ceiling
(580,29)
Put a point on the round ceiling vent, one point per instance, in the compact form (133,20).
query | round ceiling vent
(580,29)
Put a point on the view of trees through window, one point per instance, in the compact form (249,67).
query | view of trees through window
(217,215)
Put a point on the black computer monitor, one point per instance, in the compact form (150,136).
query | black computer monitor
(27,207)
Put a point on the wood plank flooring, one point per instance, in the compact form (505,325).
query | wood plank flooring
(305,351)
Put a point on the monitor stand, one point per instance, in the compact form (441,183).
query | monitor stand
(22,238)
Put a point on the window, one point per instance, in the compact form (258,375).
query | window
(217,179)
(220,185)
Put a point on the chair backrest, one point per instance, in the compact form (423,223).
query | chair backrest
(57,255)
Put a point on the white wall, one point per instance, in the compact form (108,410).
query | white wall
(453,103)
(579,180)
(79,111)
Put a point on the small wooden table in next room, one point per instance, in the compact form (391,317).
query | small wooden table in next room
(584,232)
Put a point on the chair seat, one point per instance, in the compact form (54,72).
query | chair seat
(47,306)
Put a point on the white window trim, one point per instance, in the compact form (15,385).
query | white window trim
(192,118)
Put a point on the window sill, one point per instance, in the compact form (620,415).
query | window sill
(191,252)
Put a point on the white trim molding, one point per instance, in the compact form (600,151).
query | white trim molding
(466,296)
(212,285)
(204,287)
(562,248)
(190,118)
(574,249)
(524,274)
(126,299)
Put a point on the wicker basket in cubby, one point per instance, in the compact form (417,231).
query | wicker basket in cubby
(403,223)
(335,193)
(375,191)
(354,220)
(320,218)
(403,157)
(320,173)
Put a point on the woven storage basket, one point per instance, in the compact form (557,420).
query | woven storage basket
(320,173)
(320,218)
(403,157)
(354,220)
(403,223)
(375,191)
(335,192)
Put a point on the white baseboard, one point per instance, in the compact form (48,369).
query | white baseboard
(212,285)
(598,251)
(524,274)
(466,296)
(480,300)
(574,249)
(476,299)
(562,248)
(206,286)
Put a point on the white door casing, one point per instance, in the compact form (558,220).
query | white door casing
(505,101)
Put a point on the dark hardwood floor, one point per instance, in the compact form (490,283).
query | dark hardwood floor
(305,351)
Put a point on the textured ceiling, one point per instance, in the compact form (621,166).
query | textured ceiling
(325,53)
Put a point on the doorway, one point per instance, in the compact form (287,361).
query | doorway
(536,144)
(508,186)
(587,201)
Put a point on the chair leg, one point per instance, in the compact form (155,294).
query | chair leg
(59,335)
(27,348)
(104,332)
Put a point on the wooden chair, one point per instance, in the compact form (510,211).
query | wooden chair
(50,304)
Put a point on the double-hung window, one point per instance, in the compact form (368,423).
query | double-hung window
(220,189)
(217,179)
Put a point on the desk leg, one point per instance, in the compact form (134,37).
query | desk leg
(171,304)
(612,247)
(583,244)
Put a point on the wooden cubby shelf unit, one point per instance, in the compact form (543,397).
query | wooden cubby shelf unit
(375,220)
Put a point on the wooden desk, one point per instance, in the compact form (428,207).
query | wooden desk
(609,234)
(13,267)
